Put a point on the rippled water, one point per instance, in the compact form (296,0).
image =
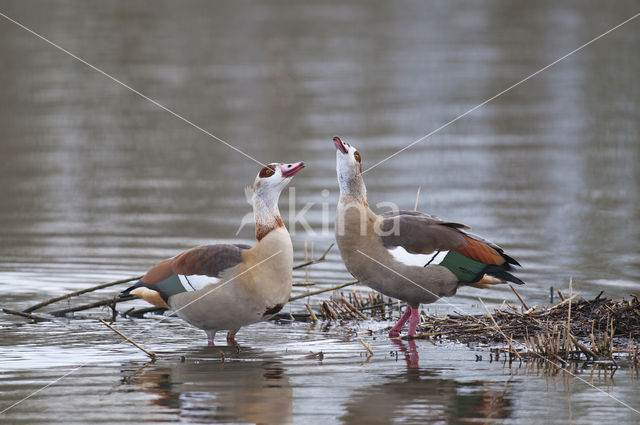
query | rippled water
(98,183)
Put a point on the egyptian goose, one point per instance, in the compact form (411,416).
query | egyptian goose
(409,255)
(218,287)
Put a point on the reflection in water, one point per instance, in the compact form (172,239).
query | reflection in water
(410,354)
(204,387)
(420,395)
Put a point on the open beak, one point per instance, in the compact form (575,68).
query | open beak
(339,145)
(289,170)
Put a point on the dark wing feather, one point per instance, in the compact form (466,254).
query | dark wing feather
(420,233)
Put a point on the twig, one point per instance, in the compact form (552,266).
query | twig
(311,313)
(320,291)
(341,309)
(560,295)
(582,348)
(318,260)
(352,308)
(526,307)
(27,315)
(568,334)
(330,311)
(304,283)
(92,305)
(415,206)
(126,338)
(566,300)
(142,311)
(366,346)
(80,292)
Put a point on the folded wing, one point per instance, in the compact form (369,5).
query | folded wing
(188,271)
(469,256)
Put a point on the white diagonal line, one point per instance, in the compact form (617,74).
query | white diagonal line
(111,77)
(577,49)
(536,354)
(140,333)
(43,388)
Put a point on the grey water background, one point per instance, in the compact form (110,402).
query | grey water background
(99,184)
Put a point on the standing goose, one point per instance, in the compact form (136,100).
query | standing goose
(218,287)
(409,255)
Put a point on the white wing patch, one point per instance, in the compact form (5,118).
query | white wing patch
(409,259)
(196,281)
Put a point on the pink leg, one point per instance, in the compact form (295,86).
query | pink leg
(231,338)
(397,328)
(413,321)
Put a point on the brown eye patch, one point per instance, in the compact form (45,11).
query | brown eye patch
(267,171)
(356,155)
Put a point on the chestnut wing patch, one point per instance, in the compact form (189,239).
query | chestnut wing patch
(485,251)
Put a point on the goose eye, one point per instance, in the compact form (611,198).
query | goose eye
(267,171)
(356,155)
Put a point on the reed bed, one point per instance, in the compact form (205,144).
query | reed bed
(574,329)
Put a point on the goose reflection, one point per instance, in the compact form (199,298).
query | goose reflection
(201,386)
(424,396)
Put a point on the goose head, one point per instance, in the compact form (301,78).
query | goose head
(267,186)
(349,171)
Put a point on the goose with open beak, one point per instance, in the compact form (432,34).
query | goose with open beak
(225,287)
(409,255)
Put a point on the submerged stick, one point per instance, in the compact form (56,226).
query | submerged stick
(320,291)
(366,346)
(27,315)
(80,292)
(318,260)
(126,338)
